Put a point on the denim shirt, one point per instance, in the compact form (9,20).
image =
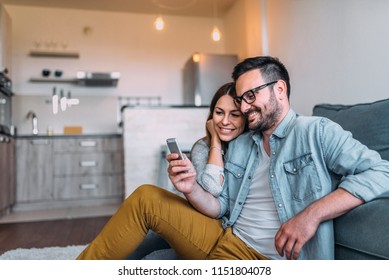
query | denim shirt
(309,158)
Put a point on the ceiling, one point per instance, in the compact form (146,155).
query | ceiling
(195,8)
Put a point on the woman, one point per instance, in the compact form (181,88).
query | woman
(225,122)
(153,208)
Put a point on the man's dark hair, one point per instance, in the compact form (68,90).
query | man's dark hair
(270,67)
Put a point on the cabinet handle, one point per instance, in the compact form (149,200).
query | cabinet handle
(40,142)
(90,143)
(88,186)
(88,163)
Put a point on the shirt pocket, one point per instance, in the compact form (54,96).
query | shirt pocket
(303,178)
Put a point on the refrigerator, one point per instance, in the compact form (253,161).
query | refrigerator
(204,74)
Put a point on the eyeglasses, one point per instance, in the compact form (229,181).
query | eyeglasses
(249,96)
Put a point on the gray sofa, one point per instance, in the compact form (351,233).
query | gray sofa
(362,232)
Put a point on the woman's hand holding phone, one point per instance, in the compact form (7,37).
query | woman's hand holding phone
(181,171)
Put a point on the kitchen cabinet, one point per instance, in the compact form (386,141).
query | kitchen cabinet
(88,168)
(34,169)
(7,178)
(69,171)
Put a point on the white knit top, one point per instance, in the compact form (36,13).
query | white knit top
(208,175)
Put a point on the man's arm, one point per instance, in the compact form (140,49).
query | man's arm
(297,231)
(183,177)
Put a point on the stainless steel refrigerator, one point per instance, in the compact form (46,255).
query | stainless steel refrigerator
(203,74)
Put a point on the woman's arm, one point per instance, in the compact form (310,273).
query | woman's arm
(209,175)
(182,175)
(216,152)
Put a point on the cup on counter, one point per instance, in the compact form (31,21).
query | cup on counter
(46,72)
(50,131)
(58,73)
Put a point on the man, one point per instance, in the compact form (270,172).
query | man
(291,175)
(284,182)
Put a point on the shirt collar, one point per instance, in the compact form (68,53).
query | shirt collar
(283,127)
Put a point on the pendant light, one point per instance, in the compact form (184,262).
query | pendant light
(159,23)
(216,34)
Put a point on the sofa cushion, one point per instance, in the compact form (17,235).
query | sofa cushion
(368,122)
(362,232)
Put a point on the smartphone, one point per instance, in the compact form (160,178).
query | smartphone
(173,147)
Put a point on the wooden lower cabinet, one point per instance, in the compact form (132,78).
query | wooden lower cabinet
(66,171)
(7,176)
(34,169)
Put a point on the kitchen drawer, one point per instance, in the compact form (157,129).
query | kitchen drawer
(87,187)
(87,164)
(77,145)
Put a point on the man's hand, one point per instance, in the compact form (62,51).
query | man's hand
(294,234)
(297,231)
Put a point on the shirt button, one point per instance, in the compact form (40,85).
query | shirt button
(273,153)
(249,177)
(294,169)
(240,203)
(238,174)
(280,205)
(271,176)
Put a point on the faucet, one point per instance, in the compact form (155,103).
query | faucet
(32,115)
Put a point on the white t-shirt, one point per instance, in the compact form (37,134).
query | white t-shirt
(258,221)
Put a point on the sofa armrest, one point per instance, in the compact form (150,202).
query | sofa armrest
(362,232)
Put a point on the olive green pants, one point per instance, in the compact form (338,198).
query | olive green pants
(191,234)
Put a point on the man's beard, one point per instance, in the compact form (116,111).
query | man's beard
(268,120)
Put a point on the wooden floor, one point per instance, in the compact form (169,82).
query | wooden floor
(50,233)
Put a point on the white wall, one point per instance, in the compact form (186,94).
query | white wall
(150,62)
(336,51)
(95,114)
(244,29)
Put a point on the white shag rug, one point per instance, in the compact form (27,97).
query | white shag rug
(48,253)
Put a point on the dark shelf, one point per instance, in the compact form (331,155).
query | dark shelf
(60,54)
(53,80)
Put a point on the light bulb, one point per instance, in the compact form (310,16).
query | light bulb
(216,35)
(196,57)
(159,23)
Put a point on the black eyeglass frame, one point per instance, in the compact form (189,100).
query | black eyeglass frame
(253,91)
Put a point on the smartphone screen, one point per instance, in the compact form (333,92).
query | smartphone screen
(173,147)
